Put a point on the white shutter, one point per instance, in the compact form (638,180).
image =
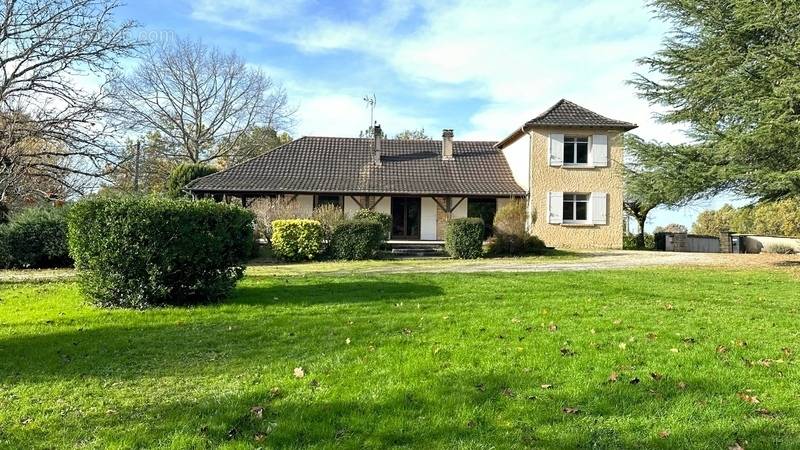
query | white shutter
(555,207)
(600,150)
(556,147)
(599,202)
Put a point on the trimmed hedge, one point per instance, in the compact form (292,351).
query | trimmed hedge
(138,252)
(464,238)
(35,238)
(297,239)
(357,239)
(384,219)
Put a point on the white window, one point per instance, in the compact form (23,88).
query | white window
(576,208)
(576,150)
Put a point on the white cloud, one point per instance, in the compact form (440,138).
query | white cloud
(245,15)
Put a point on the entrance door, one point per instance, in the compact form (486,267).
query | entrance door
(406,214)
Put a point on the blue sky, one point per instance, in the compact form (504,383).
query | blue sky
(479,67)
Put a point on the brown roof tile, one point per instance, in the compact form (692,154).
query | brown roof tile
(345,165)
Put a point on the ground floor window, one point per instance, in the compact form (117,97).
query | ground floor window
(484,208)
(576,207)
(326,199)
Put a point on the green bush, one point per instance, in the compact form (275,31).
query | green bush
(384,219)
(147,251)
(182,174)
(497,246)
(464,238)
(36,238)
(296,239)
(357,239)
(629,242)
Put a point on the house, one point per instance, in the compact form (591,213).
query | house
(564,163)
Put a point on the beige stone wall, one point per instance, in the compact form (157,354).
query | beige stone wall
(545,178)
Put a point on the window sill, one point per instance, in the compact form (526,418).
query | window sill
(577,224)
(577,166)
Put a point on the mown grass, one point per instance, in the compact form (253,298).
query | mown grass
(433,361)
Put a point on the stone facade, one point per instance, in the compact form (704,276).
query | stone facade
(545,178)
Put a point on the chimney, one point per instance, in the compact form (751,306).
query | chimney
(377,135)
(447,144)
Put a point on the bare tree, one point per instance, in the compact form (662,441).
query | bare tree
(52,131)
(200,99)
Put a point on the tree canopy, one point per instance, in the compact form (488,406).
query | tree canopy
(730,71)
(781,218)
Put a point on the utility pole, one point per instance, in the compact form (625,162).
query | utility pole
(136,166)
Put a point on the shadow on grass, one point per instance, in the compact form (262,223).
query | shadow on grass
(284,292)
(130,344)
(474,410)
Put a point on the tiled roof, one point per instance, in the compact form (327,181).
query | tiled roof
(346,166)
(568,114)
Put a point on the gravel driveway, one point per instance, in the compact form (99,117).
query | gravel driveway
(586,260)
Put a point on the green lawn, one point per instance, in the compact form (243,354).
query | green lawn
(427,361)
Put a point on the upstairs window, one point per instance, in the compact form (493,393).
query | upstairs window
(576,150)
(576,207)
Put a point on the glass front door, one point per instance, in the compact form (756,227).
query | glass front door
(406,214)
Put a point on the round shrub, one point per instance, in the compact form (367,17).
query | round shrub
(138,252)
(357,239)
(464,238)
(384,219)
(36,238)
(296,239)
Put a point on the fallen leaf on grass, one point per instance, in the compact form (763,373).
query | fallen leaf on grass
(786,351)
(681,385)
(622,346)
(765,412)
(617,322)
(736,446)
(669,307)
(257,412)
(613,377)
(547,386)
(674,350)
(299,372)
(656,376)
(259,437)
(721,349)
(748,398)
(508,392)
(663,434)
(347,341)
(569,410)
(275,392)
(552,327)
(232,433)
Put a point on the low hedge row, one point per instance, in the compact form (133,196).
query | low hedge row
(148,251)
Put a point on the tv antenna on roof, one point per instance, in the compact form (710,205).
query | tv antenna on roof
(371,101)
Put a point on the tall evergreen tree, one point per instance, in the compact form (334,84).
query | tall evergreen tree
(730,70)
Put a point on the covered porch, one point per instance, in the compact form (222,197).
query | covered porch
(415,218)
